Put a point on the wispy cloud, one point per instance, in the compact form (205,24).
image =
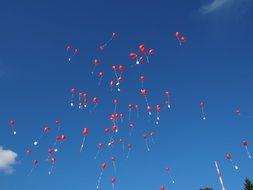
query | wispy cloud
(216,5)
(7,159)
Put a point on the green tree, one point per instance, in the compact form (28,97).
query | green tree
(248,185)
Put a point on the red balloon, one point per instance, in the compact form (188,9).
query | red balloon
(178,34)
(115,102)
(137,106)
(121,141)
(167,93)
(114,128)
(238,112)
(162,187)
(114,34)
(53,160)
(245,143)
(132,55)
(158,108)
(183,39)
(101,74)
(144,92)
(152,134)
(121,68)
(68,48)
(73,90)
(35,162)
(202,104)
(113,158)
(46,129)
(113,180)
(145,136)
(85,131)
(114,67)
(100,145)
(28,152)
(151,52)
(142,48)
(129,146)
(107,130)
(149,109)
(95,100)
(228,156)
(50,151)
(63,137)
(76,51)
(96,61)
(12,122)
(142,78)
(130,106)
(103,165)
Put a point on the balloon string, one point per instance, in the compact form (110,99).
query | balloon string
(171,178)
(129,114)
(180,43)
(51,170)
(31,171)
(128,154)
(248,152)
(72,100)
(99,179)
(100,80)
(152,140)
(97,154)
(114,166)
(93,70)
(203,113)
(38,140)
(82,144)
(123,147)
(235,166)
(146,141)
(112,186)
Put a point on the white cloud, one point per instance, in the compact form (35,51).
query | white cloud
(7,159)
(215,5)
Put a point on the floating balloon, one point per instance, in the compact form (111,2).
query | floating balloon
(113,180)
(245,145)
(12,125)
(101,75)
(45,130)
(167,169)
(73,91)
(131,126)
(152,134)
(121,141)
(129,146)
(85,134)
(238,112)
(103,46)
(167,102)
(162,187)
(145,137)
(229,157)
(103,167)
(71,53)
(142,81)
(202,107)
(130,107)
(113,159)
(53,161)
(158,110)
(137,110)
(112,84)
(100,146)
(144,93)
(96,63)
(115,102)
(35,163)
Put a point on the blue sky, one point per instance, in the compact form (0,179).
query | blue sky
(214,65)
